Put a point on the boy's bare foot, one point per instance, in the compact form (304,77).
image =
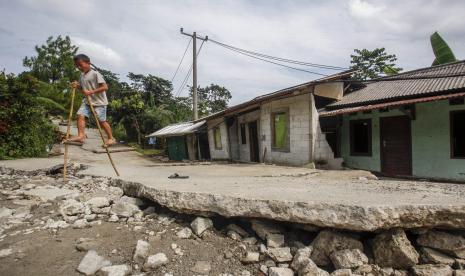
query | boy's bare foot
(109,142)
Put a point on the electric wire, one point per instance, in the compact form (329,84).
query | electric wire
(276,63)
(322,66)
(186,79)
(179,65)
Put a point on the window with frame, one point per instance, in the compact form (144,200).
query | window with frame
(217,138)
(243,135)
(360,137)
(280,133)
(457,135)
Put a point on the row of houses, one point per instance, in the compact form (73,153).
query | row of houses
(411,124)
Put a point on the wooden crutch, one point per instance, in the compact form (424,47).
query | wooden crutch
(65,163)
(101,133)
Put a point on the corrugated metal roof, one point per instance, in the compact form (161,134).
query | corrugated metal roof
(327,113)
(396,87)
(286,92)
(177,129)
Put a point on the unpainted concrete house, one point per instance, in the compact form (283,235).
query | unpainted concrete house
(410,124)
(281,127)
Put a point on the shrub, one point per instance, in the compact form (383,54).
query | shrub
(25,130)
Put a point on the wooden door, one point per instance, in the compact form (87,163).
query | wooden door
(253,139)
(177,149)
(396,146)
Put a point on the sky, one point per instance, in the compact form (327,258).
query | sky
(142,36)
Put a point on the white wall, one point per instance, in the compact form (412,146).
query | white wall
(223,153)
(299,132)
(306,141)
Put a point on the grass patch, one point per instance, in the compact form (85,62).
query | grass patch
(148,152)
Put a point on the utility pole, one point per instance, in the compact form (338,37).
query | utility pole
(194,70)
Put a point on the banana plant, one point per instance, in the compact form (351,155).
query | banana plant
(442,51)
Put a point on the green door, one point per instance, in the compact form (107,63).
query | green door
(177,148)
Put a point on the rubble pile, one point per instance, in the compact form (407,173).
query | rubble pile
(261,247)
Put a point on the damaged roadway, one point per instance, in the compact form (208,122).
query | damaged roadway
(351,200)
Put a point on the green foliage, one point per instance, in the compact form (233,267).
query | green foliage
(137,108)
(54,60)
(154,90)
(212,98)
(50,106)
(442,51)
(373,64)
(24,128)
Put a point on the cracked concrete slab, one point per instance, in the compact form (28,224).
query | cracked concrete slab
(339,199)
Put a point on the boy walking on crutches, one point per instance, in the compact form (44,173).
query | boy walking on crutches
(92,84)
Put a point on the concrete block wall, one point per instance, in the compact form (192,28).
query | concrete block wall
(223,153)
(191,142)
(244,149)
(323,151)
(299,108)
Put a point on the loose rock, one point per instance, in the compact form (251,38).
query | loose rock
(433,256)
(280,271)
(200,224)
(341,272)
(6,252)
(443,241)
(301,258)
(184,233)
(327,242)
(251,257)
(348,258)
(393,249)
(91,263)
(311,269)
(85,244)
(280,255)
(72,207)
(141,252)
(115,270)
(98,202)
(124,209)
(155,261)
(432,270)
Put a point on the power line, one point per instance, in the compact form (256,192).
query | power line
(183,55)
(181,88)
(269,61)
(323,66)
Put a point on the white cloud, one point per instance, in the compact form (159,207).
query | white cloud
(99,53)
(364,9)
(142,36)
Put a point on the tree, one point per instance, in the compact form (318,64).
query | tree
(54,60)
(212,98)
(155,90)
(25,130)
(181,107)
(442,52)
(373,64)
